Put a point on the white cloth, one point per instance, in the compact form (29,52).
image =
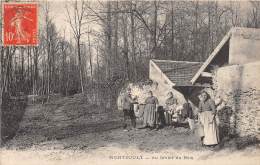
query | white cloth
(191,123)
(210,128)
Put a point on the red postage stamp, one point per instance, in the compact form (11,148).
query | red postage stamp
(20,24)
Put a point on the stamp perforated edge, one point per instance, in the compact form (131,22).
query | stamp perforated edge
(2,22)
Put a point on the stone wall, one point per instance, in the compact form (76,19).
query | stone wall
(239,88)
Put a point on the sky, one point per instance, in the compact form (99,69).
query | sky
(58,13)
(59,16)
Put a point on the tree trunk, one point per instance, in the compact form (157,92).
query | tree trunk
(125,48)
(172,30)
(116,32)
(133,41)
(80,67)
(155,30)
(195,31)
(109,41)
(90,60)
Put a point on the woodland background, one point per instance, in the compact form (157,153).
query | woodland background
(111,42)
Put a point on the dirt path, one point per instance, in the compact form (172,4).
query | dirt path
(52,136)
(164,147)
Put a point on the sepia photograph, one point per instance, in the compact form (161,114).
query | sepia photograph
(115,82)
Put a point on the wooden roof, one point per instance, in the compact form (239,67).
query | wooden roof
(179,73)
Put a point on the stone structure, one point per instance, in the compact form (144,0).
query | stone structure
(168,76)
(232,70)
(239,88)
(244,45)
(173,76)
(235,64)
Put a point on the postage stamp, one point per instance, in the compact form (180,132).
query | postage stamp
(20,24)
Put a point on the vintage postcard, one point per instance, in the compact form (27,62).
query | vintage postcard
(129,82)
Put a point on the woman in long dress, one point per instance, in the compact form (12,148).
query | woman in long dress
(207,119)
(151,104)
(170,104)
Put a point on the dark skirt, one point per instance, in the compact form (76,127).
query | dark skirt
(149,115)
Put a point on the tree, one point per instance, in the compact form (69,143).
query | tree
(76,21)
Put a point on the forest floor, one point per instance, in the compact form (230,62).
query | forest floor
(69,130)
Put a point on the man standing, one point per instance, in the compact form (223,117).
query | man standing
(128,109)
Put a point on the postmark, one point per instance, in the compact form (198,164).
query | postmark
(20,24)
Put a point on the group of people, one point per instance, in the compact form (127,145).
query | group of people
(156,116)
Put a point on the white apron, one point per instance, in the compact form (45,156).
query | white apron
(210,128)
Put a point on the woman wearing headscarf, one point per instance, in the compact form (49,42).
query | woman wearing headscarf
(207,113)
(151,105)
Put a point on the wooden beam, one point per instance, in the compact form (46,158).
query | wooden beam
(206,74)
(211,57)
(187,62)
(206,85)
